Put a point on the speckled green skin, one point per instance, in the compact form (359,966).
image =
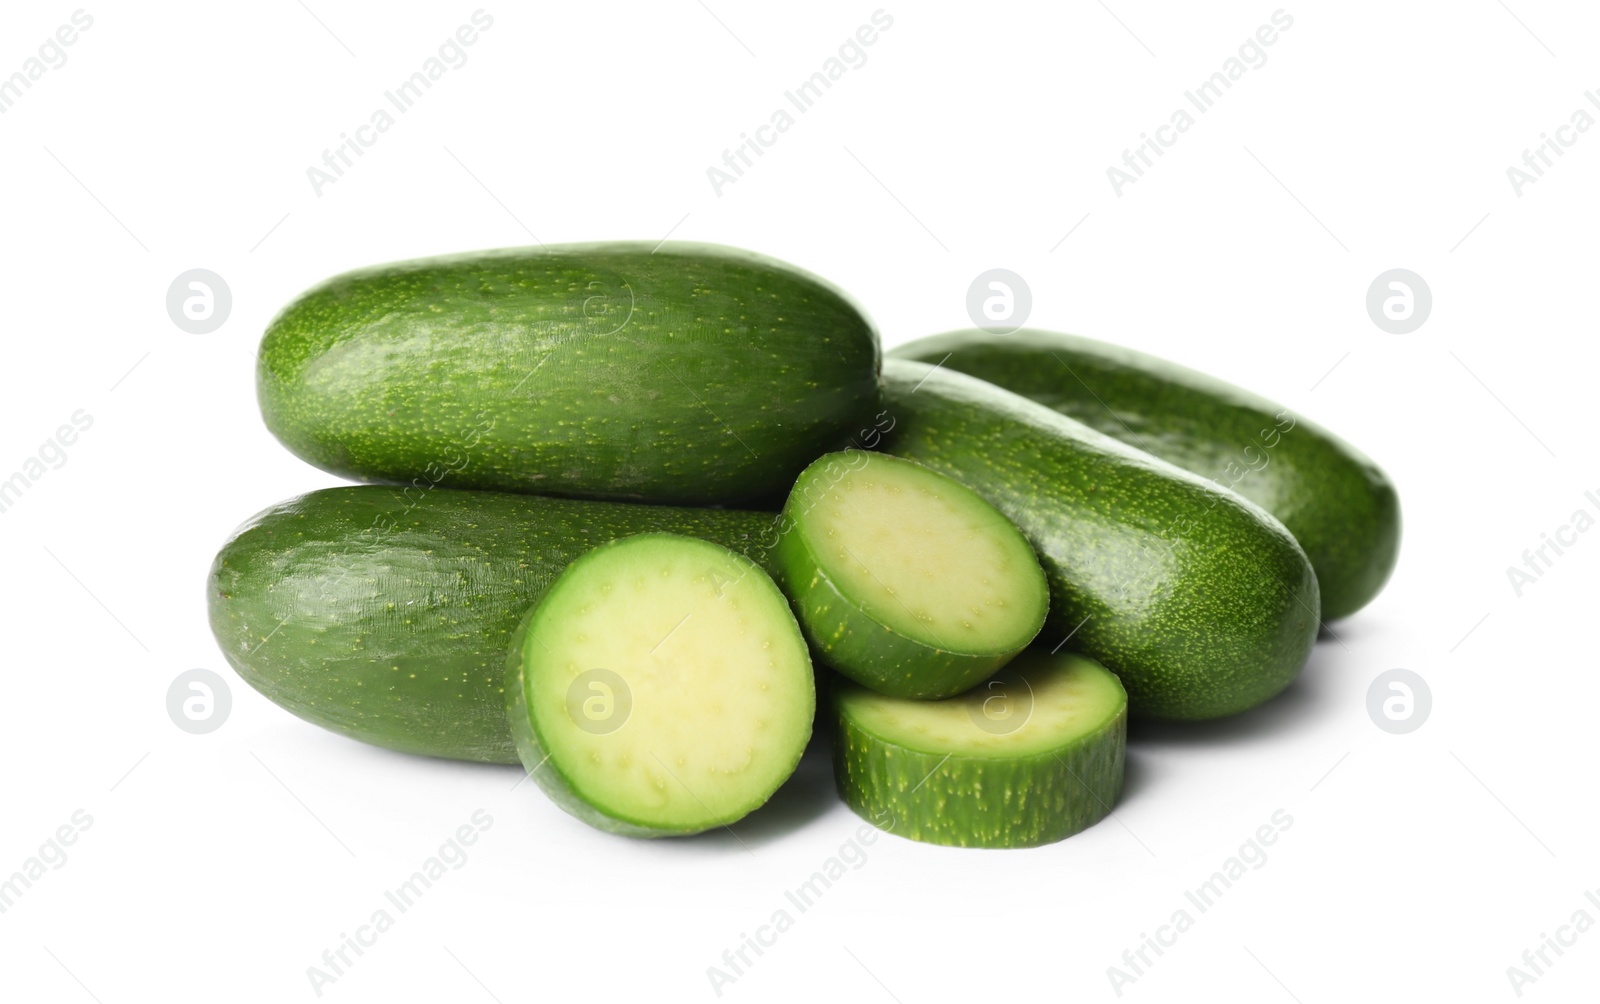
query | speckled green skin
(683,373)
(547,772)
(847,639)
(938,797)
(1200,601)
(385,614)
(1339,505)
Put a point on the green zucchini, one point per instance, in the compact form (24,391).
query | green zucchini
(1199,600)
(385,614)
(1033,756)
(660,687)
(903,579)
(671,373)
(1338,504)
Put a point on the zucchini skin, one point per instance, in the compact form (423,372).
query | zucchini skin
(1338,503)
(1200,601)
(385,614)
(678,373)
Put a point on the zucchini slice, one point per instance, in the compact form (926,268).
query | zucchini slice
(905,580)
(1033,756)
(660,687)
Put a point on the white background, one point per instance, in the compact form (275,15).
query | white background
(1375,136)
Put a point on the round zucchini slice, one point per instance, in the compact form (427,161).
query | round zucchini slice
(660,687)
(1031,757)
(905,580)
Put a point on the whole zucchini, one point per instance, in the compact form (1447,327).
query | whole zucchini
(386,614)
(1338,504)
(1199,600)
(676,373)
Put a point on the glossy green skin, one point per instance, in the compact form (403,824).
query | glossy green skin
(1339,505)
(385,614)
(937,797)
(1200,601)
(683,373)
(546,770)
(849,640)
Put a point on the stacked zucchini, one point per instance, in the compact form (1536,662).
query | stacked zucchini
(632,509)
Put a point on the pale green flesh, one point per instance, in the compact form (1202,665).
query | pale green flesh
(1037,703)
(926,556)
(717,674)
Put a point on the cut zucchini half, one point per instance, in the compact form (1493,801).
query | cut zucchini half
(1031,757)
(905,580)
(660,687)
